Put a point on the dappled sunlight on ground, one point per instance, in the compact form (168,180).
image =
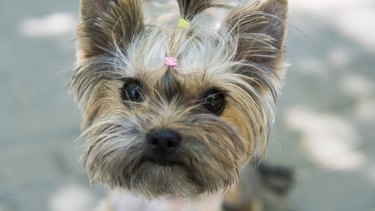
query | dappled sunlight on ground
(312,66)
(365,111)
(327,111)
(50,25)
(340,57)
(72,198)
(352,18)
(371,174)
(329,139)
(357,86)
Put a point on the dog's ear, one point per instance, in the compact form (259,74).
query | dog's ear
(106,25)
(261,30)
(92,9)
(190,8)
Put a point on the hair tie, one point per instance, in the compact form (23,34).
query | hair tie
(170,61)
(183,24)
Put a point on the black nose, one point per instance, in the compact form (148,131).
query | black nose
(163,141)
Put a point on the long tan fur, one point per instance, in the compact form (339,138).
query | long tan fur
(244,58)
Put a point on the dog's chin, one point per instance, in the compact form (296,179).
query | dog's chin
(189,175)
(156,179)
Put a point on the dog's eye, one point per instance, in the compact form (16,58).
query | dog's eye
(214,101)
(132,91)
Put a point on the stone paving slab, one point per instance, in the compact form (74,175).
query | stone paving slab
(324,129)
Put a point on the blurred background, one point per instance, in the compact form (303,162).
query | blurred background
(325,123)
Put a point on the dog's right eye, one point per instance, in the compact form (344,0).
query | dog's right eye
(132,91)
(215,101)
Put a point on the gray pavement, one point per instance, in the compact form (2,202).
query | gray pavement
(324,128)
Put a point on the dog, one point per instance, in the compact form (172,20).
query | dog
(177,110)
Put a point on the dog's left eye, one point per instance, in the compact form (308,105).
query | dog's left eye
(215,101)
(132,91)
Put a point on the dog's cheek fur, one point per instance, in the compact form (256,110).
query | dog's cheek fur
(104,101)
(234,116)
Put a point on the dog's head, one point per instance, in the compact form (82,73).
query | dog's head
(184,129)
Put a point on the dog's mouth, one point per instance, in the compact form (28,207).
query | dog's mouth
(164,161)
(176,167)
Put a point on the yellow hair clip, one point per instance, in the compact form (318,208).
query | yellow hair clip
(183,24)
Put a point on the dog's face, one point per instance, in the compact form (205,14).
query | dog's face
(186,130)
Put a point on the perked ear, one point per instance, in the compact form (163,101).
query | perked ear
(190,8)
(91,9)
(106,25)
(261,31)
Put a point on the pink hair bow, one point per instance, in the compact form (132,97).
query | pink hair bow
(170,61)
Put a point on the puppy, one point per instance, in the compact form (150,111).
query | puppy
(177,110)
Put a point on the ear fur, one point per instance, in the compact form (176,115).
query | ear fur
(190,8)
(91,9)
(106,25)
(261,31)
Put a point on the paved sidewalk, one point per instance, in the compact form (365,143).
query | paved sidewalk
(324,129)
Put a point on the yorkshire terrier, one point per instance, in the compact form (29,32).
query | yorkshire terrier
(177,110)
